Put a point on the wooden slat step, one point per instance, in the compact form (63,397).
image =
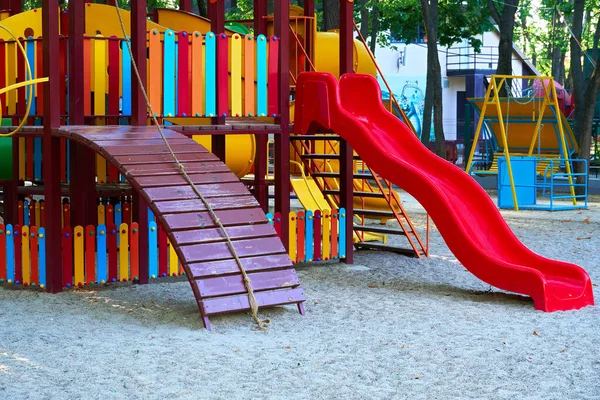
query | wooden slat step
(216,203)
(198,236)
(234,284)
(203,220)
(179,180)
(186,192)
(155,158)
(219,305)
(379,229)
(384,247)
(110,142)
(151,149)
(172,168)
(220,251)
(224,267)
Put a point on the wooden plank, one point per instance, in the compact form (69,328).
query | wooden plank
(3,251)
(342,233)
(134,252)
(222,75)
(149,149)
(156,158)
(42,256)
(173,260)
(240,302)
(162,252)
(143,142)
(111,246)
(179,180)
(317,223)
(35,257)
(169,74)
(186,192)
(183,238)
(334,234)
(292,236)
(152,249)
(78,256)
(216,203)
(249,76)
(90,255)
(87,77)
(26,255)
(126,80)
(170,168)
(261,76)
(101,254)
(67,256)
(40,69)
(224,267)
(220,251)
(10,254)
(197,75)
(99,78)
(18,251)
(155,71)
(273,76)
(236,75)
(308,241)
(124,253)
(201,220)
(183,75)
(22,158)
(234,284)
(326,235)
(277,223)
(29,158)
(210,99)
(300,234)
(114,79)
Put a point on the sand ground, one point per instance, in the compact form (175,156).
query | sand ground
(387,327)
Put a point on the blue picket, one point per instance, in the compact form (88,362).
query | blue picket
(210,75)
(26,213)
(101,270)
(126,79)
(10,254)
(169,74)
(342,233)
(261,75)
(308,240)
(37,158)
(153,249)
(30,49)
(42,256)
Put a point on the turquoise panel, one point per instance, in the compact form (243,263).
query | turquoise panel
(210,75)
(261,75)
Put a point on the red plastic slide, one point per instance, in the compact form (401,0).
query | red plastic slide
(463,212)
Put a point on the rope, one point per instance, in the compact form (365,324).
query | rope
(29,82)
(261,324)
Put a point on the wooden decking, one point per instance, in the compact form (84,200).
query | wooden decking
(142,157)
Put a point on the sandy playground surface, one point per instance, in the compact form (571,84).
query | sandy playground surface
(388,327)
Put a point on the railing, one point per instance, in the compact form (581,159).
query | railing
(465,58)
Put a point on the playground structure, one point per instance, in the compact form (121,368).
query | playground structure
(528,129)
(224,85)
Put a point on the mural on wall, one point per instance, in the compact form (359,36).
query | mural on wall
(410,93)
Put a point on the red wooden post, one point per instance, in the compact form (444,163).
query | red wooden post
(282,141)
(216,13)
(111,248)
(346,154)
(309,11)
(15,6)
(138,39)
(260,159)
(67,256)
(18,255)
(51,146)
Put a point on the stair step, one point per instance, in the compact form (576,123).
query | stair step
(374,213)
(325,156)
(314,137)
(379,229)
(377,195)
(385,247)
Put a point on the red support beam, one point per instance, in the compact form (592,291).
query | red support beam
(51,146)
(15,6)
(216,13)
(346,153)
(185,5)
(261,189)
(139,118)
(138,46)
(282,141)
(83,186)
(309,11)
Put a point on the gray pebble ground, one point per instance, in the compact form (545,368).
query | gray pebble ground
(388,327)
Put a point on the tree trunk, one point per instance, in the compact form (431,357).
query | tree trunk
(433,91)
(506,24)
(331,15)
(202,11)
(364,18)
(374,28)
(585,93)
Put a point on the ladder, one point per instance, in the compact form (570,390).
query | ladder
(367,184)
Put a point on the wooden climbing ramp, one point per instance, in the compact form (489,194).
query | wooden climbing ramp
(142,157)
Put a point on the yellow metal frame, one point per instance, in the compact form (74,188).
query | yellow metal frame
(492,98)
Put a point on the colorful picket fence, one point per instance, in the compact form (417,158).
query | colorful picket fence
(182,78)
(314,235)
(91,254)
